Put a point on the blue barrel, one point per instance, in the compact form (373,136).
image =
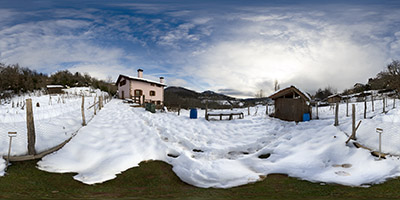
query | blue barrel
(193,113)
(306,117)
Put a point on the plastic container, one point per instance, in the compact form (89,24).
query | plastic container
(193,113)
(150,107)
(306,117)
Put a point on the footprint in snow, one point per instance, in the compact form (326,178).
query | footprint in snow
(342,173)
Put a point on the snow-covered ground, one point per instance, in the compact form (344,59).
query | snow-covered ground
(56,118)
(225,153)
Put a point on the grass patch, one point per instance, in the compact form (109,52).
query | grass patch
(156,180)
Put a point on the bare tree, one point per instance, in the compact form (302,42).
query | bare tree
(276,85)
(259,94)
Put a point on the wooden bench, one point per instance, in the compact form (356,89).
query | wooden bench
(240,114)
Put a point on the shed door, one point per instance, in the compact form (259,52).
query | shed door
(289,109)
(122,95)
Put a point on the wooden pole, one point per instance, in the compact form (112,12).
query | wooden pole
(365,107)
(372,101)
(94,105)
(383,103)
(266,109)
(337,114)
(347,107)
(353,122)
(394,103)
(206,112)
(317,110)
(30,127)
(99,102)
(83,111)
(386,103)
(248,110)
(179,109)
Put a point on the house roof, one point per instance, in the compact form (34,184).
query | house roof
(284,91)
(138,79)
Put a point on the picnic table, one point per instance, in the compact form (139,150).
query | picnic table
(225,113)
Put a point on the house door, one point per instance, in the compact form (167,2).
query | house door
(122,95)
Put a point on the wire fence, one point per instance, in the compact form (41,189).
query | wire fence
(57,118)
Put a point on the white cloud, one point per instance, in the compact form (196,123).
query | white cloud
(176,82)
(102,71)
(296,48)
(242,49)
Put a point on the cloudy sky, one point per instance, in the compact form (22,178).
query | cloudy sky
(233,47)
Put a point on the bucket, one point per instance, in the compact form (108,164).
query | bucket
(193,113)
(306,117)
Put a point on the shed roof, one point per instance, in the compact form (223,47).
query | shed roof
(334,95)
(139,79)
(284,91)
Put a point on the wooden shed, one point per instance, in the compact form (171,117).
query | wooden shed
(334,98)
(54,89)
(291,104)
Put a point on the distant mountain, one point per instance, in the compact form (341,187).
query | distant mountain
(185,98)
(181,92)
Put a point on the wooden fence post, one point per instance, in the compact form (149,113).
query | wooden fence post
(248,110)
(83,111)
(386,103)
(394,102)
(372,101)
(336,114)
(266,109)
(353,122)
(206,112)
(179,109)
(30,127)
(99,102)
(94,105)
(365,107)
(144,98)
(317,109)
(347,107)
(383,104)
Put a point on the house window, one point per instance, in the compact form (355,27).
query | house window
(152,93)
(158,102)
(122,83)
(152,84)
(138,92)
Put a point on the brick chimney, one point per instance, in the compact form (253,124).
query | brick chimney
(140,73)
(161,79)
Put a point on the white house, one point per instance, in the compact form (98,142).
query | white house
(141,90)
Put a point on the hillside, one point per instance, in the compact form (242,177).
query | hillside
(185,98)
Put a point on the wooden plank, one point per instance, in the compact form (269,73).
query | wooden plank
(40,155)
(30,127)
